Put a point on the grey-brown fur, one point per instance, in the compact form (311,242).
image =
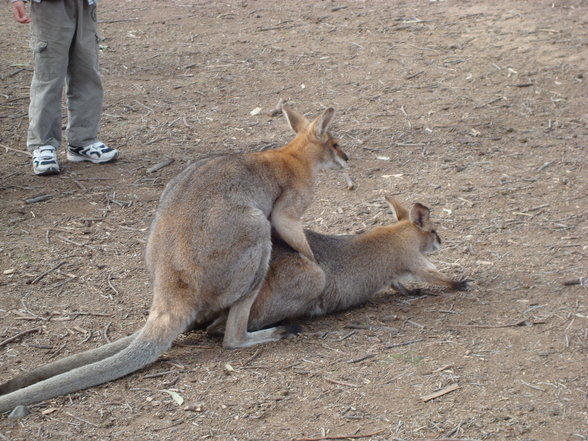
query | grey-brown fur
(208,251)
(350,269)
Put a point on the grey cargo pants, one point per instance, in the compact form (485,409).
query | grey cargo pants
(65,50)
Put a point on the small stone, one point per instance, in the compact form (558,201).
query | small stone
(196,407)
(18,412)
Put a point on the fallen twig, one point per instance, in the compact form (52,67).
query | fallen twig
(105,333)
(22,152)
(17,336)
(79,184)
(40,198)
(87,179)
(40,276)
(57,351)
(173,371)
(452,439)
(508,325)
(16,72)
(253,357)
(88,336)
(119,20)
(488,103)
(99,314)
(342,383)
(82,420)
(544,166)
(338,8)
(406,343)
(532,386)
(410,77)
(365,357)
(441,392)
(65,239)
(112,286)
(159,165)
(365,435)
(580,281)
(521,85)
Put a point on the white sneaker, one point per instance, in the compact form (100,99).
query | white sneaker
(45,160)
(98,153)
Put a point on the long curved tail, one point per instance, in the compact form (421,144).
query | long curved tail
(66,364)
(139,352)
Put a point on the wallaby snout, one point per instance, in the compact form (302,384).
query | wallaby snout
(340,157)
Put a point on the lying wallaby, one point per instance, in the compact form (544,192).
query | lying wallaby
(348,270)
(208,251)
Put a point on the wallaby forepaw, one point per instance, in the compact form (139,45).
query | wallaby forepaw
(290,330)
(215,330)
(416,292)
(460,285)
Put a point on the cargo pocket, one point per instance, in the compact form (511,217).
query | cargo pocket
(44,68)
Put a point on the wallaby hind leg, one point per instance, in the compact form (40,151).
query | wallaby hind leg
(236,334)
(404,290)
(296,289)
(217,327)
(243,290)
(66,364)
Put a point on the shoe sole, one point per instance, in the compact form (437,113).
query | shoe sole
(48,172)
(77,158)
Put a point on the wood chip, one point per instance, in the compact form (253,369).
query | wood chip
(439,393)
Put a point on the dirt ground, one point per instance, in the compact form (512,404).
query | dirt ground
(476,109)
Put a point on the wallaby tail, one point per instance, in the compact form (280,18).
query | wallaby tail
(141,351)
(66,364)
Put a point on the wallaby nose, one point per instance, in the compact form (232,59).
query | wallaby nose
(343,155)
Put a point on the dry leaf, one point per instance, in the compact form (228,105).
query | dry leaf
(176,396)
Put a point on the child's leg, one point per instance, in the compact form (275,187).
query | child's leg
(52,31)
(84,85)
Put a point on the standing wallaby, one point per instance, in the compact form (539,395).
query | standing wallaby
(208,251)
(348,271)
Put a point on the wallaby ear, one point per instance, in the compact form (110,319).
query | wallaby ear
(419,215)
(398,210)
(297,121)
(321,124)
